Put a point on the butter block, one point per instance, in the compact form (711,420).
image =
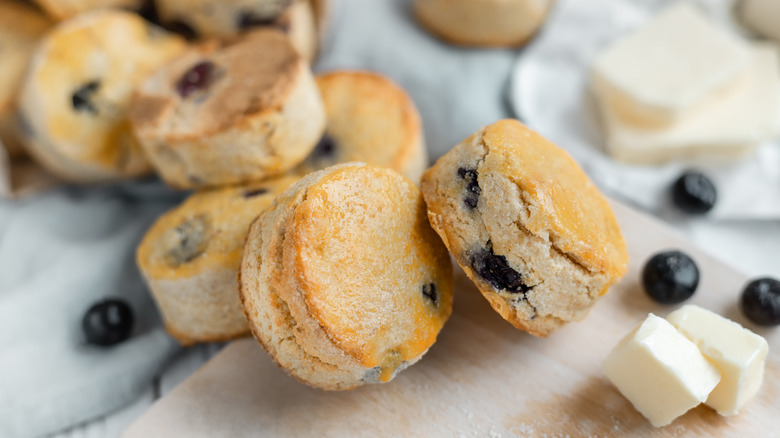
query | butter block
(730,128)
(669,67)
(762,16)
(737,352)
(660,371)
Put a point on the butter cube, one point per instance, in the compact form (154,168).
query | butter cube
(660,371)
(669,67)
(738,353)
(762,16)
(730,128)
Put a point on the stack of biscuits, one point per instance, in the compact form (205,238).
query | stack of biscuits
(313,223)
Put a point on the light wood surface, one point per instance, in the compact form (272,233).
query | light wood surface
(482,378)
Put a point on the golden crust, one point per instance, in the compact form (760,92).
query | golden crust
(20,28)
(538,240)
(349,249)
(566,203)
(107,51)
(370,119)
(191,255)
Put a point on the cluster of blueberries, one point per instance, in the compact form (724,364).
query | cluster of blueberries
(671,277)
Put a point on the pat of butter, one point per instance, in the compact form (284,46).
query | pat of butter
(738,353)
(669,67)
(660,371)
(762,16)
(743,118)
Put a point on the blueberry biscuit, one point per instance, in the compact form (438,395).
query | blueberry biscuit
(190,258)
(20,29)
(369,119)
(74,98)
(487,23)
(64,9)
(526,225)
(342,279)
(228,18)
(228,115)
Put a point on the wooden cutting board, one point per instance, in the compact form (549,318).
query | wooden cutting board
(482,378)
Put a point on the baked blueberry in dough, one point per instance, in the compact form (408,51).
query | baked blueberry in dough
(226,115)
(226,19)
(342,279)
(190,257)
(369,119)
(75,96)
(526,225)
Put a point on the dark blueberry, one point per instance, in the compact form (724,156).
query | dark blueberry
(472,187)
(694,193)
(325,147)
(107,322)
(670,277)
(496,270)
(429,291)
(197,78)
(182,28)
(149,12)
(248,19)
(82,97)
(255,192)
(187,241)
(761,301)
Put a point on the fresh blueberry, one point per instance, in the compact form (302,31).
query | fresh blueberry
(670,277)
(761,301)
(694,193)
(429,291)
(496,270)
(471,198)
(197,78)
(81,99)
(107,322)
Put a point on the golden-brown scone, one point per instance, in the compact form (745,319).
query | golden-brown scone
(369,119)
(190,257)
(526,225)
(485,23)
(21,27)
(74,98)
(217,116)
(226,19)
(65,9)
(342,279)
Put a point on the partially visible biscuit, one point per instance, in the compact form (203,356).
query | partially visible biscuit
(485,23)
(21,27)
(526,225)
(190,258)
(75,96)
(369,119)
(227,115)
(226,19)
(342,279)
